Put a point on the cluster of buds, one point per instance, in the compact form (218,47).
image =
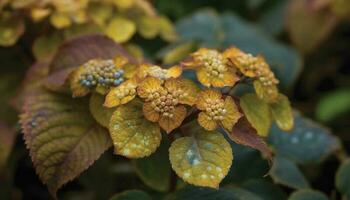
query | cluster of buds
(165,102)
(215,109)
(101,72)
(214,63)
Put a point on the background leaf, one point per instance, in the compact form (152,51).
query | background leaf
(307,136)
(101,114)
(62,137)
(342,179)
(307,194)
(286,172)
(132,195)
(265,189)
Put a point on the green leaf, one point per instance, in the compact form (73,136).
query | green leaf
(176,53)
(342,179)
(272,20)
(120,29)
(257,113)
(11,28)
(101,114)
(46,46)
(333,104)
(155,170)
(131,195)
(148,26)
(265,189)
(286,172)
(132,134)
(62,137)
(202,159)
(282,113)
(307,194)
(200,193)
(307,136)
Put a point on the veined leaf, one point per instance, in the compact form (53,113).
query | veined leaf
(132,134)
(202,159)
(282,113)
(99,112)
(257,113)
(62,137)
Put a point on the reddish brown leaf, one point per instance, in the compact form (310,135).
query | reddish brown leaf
(76,52)
(243,133)
(7,137)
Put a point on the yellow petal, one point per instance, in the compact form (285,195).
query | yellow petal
(148,86)
(120,61)
(206,122)
(149,112)
(232,114)
(174,72)
(169,124)
(122,94)
(229,79)
(205,95)
(203,77)
(77,89)
(185,88)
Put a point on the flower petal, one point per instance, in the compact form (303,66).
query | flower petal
(203,77)
(185,88)
(206,122)
(174,72)
(205,95)
(149,112)
(122,94)
(148,86)
(169,124)
(232,114)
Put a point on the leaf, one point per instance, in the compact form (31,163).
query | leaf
(62,137)
(308,27)
(307,136)
(342,179)
(148,26)
(120,29)
(202,159)
(243,133)
(286,172)
(78,51)
(333,104)
(257,112)
(155,170)
(200,193)
(131,195)
(307,194)
(11,28)
(272,20)
(101,114)
(176,53)
(282,113)
(133,135)
(265,189)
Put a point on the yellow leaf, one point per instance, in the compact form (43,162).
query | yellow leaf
(133,136)
(120,29)
(101,114)
(257,113)
(11,28)
(166,29)
(123,4)
(267,93)
(135,50)
(282,113)
(60,20)
(38,14)
(148,26)
(100,13)
(178,53)
(202,159)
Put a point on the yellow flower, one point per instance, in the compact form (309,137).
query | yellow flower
(158,72)
(212,68)
(216,111)
(100,75)
(165,100)
(265,82)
